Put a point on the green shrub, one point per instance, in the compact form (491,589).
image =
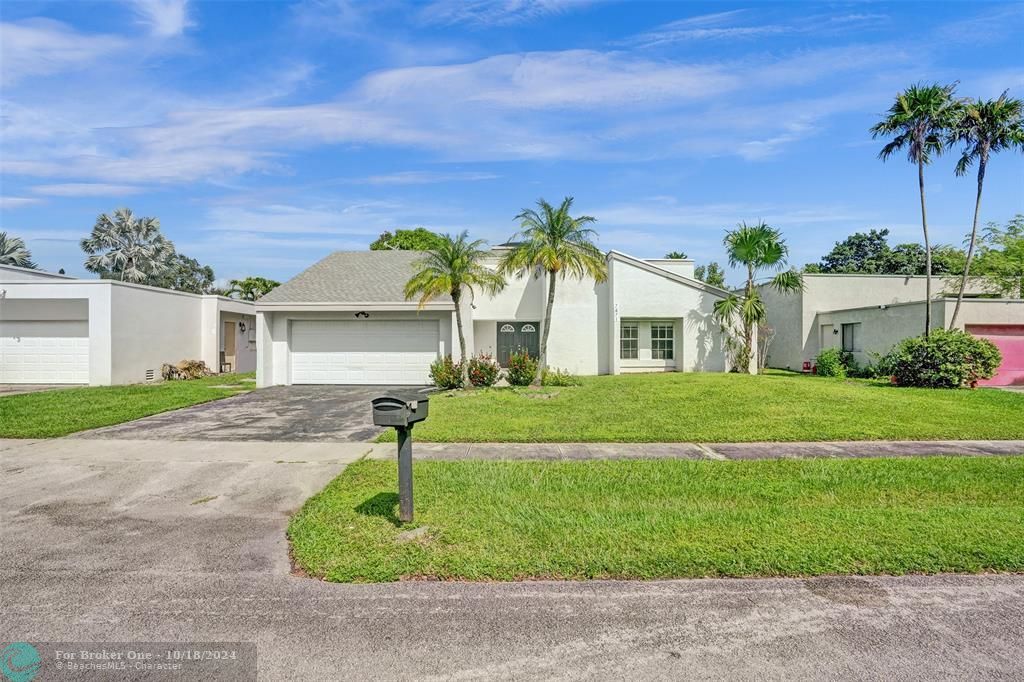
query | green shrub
(874,369)
(558,377)
(943,359)
(446,373)
(521,369)
(830,363)
(483,370)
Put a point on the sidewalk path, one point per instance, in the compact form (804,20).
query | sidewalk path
(712,451)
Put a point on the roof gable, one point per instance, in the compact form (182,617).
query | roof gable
(667,274)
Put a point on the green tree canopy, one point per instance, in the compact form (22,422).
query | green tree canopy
(185,274)
(1000,258)
(870,253)
(864,252)
(418,239)
(909,259)
(252,288)
(712,274)
(676,255)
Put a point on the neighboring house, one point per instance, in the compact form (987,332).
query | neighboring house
(56,329)
(345,320)
(869,314)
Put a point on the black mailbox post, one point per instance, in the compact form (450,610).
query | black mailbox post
(402,414)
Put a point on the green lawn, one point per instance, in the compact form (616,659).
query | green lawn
(678,407)
(490,520)
(57,413)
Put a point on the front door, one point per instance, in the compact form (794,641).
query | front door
(229,347)
(517,337)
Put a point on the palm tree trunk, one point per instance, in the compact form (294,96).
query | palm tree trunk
(974,236)
(748,326)
(457,298)
(927,253)
(543,362)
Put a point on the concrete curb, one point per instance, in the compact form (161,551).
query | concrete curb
(706,451)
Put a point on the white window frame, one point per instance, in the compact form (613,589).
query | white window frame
(634,326)
(666,332)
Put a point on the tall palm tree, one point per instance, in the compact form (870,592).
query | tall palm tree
(553,241)
(14,252)
(453,267)
(127,248)
(984,128)
(755,248)
(252,288)
(918,122)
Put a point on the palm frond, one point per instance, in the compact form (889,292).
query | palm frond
(787,282)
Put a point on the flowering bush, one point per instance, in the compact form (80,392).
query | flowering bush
(943,359)
(483,370)
(446,373)
(521,369)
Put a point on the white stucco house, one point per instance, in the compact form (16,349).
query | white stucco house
(869,314)
(345,320)
(56,329)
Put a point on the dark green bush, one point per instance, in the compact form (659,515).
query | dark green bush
(446,373)
(559,377)
(830,363)
(943,359)
(521,369)
(483,370)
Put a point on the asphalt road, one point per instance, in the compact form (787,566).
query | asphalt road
(150,541)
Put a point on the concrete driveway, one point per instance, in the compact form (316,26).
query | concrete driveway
(280,413)
(148,541)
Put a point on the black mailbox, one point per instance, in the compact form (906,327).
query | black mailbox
(400,412)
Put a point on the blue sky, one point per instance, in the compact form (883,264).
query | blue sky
(265,135)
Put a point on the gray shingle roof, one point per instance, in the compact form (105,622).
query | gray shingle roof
(351,277)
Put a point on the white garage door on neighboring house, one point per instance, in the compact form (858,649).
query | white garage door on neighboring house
(44,352)
(363,351)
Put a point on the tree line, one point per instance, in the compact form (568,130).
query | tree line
(997,263)
(128,248)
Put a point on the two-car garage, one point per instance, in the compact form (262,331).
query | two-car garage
(333,351)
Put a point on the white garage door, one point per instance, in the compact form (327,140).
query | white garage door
(364,351)
(44,352)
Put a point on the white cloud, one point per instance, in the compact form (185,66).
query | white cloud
(85,189)
(424,178)
(41,47)
(721,26)
(572,104)
(164,18)
(337,218)
(495,12)
(536,80)
(18,202)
